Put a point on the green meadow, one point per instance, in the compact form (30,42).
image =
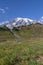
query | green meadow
(21,53)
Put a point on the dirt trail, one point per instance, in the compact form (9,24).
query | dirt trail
(18,38)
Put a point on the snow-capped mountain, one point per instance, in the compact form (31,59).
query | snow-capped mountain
(18,22)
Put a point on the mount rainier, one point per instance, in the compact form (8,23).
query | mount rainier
(18,22)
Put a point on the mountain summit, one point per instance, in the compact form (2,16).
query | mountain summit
(18,22)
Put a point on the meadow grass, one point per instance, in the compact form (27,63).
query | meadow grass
(21,53)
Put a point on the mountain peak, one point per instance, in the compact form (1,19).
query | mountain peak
(19,21)
(19,18)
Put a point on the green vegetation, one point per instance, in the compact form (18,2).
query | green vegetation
(5,34)
(21,53)
(27,51)
(32,31)
(35,30)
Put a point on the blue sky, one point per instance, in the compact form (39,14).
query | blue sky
(10,9)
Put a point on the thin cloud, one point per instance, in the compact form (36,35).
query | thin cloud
(42,17)
(2,10)
(4,22)
(41,20)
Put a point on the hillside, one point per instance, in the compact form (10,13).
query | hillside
(5,34)
(26,32)
(31,31)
